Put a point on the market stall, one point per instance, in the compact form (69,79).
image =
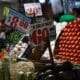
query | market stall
(35,47)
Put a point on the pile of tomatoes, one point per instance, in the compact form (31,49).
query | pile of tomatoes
(69,42)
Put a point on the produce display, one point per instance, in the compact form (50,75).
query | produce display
(22,66)
(19,49)
(13,71)
(19,38)
(68,47)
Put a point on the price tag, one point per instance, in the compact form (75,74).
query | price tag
(17,20)
(40,31)
(39,35)
(33,8)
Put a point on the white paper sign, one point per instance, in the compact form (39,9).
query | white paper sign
(40,31)
(33,8)
(17,20)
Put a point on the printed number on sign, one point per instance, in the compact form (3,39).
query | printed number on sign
(39,35)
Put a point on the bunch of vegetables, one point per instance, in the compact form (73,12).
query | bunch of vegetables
(13,36)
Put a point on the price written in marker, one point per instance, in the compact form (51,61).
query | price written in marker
(40,31)
(33,8)
(39,35)
(17,20)
(31,11)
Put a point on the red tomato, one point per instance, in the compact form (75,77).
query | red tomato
(66,45)
(71,54)
(75,26)
(76,59)
(73,46)
(78,33)
(76,42)
(72,42)
(78,51)
(75,54)
(74,50)
(77,46)
(72,58)
(73,33)
(75,37)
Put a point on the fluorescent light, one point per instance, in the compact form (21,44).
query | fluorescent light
(42,1)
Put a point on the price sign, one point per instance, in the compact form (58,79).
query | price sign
(17,20)
(33,8)
(40,31)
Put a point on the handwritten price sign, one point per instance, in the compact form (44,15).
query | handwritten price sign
(33,8)
(39,35)
(31,11)
(17,20)
(40,31)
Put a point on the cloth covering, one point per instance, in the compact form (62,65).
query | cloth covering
(67,18)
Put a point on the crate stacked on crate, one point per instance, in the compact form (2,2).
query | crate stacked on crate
(68,43)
